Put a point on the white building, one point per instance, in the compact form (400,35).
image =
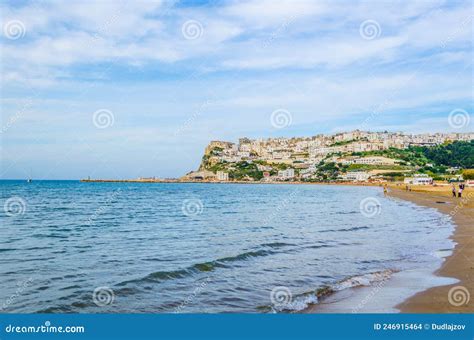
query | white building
(243,154)
(376,160)
(360,176)
(222,176)
(419,180)
(264,167)
(286,174)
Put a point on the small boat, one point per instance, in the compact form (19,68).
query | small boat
(29,180)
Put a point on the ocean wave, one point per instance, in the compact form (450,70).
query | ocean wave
(277,244)
(364,280)
(346,229)
(302,301)
(198,267)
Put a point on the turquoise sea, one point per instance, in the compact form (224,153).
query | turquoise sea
(71,247)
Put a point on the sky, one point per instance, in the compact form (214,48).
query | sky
(123,89)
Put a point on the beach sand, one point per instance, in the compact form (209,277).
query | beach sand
(460,265)
(433,284)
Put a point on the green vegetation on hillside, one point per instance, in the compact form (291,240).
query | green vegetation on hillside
(456,154)
(409,156)
(433,161)
(216,151)
(243,170)
(342,143)
(468,174)
(367,167)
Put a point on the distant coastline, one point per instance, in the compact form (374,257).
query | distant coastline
(357,157)
(176,181)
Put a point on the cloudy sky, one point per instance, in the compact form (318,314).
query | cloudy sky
(113,89)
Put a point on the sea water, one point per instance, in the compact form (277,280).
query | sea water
(72,247)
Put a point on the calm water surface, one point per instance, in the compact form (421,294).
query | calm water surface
(164,248)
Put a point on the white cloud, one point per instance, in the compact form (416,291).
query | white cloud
(241,35)
(264,13)
(251,58)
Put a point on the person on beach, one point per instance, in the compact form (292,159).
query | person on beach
(454,190)
(460,190)
(385,190)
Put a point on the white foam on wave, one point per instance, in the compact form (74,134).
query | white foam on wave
(363,280)
(298,304)
(303,301)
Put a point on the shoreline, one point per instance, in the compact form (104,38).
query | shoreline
(459,265)
(350,183)
(436,285)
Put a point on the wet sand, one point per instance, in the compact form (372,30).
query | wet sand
(434,285)
(460,265)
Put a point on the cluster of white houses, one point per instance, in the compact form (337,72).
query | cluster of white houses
(289,174)
(301,156)
(289,150)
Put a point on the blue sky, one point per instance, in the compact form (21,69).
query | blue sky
(117,89)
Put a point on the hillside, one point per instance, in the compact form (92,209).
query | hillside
(321,158)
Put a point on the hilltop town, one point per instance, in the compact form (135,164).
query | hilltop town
(347,156)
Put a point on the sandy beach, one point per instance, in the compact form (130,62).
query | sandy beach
(460,265)
(437,287)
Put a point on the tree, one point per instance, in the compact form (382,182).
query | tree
(468,174)
(459,153)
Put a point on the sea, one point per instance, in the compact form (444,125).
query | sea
(73,247)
